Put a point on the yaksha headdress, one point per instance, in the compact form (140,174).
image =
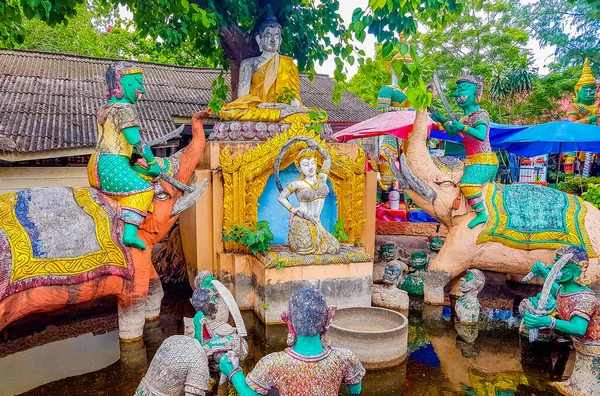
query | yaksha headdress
(586,76)
(403,58)
(113,75)
(477,80)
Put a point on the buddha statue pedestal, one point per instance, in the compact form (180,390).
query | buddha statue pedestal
(256,131)
(264,283)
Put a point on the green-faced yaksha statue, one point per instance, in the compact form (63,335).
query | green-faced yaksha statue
(583,109)
(474,128)
(109,169)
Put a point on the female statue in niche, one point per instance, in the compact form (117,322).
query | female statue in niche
(307,235)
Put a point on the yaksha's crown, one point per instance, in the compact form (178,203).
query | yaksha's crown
(114,72)
(477,80)
(586,76)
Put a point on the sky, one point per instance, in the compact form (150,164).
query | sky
(542,56)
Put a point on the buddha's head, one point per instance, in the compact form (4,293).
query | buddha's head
(306,162)
(269,35)
(575,269)
(124,80)
(585,89)
(472,282)
(308,315)
(469,90)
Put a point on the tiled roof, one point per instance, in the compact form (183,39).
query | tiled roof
(49,101)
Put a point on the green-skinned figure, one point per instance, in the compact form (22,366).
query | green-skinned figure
(578,316)
(109,169)
(583,109)
(474,128)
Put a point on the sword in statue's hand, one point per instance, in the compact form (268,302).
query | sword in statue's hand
(438,86)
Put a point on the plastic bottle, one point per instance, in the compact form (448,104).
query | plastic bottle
(394,198)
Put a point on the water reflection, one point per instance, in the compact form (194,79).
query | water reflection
(445,358)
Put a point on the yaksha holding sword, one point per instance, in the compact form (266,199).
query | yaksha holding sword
(474,128)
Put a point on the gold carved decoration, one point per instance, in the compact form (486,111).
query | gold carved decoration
(245,177)
(25,266)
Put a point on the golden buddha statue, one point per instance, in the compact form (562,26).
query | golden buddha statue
(269,84)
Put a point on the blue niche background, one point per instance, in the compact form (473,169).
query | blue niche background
(277,216)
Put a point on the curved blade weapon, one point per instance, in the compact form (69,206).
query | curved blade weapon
(440,91)
(543,300)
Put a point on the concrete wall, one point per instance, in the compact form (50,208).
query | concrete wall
(18,178)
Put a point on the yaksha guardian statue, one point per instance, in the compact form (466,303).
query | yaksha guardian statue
(583,109)
(269,84)
(308,367)
(109,168)
(474,128)
(579,316)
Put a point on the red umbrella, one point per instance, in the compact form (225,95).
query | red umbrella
(396,123)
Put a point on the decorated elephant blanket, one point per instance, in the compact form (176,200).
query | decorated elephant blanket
(58,236)
(527,216)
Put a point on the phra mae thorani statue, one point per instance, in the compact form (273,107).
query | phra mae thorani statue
(388,295)
(467,306)
(269,84)
(309,367)
(307,235)
(109,168)
(474,128)
(578,316)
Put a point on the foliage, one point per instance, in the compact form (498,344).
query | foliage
(570,25)
(338,231)
(278,264)
(287,95)
(317,118)
(219,94)
(592,195)
(579,185)
(484,39)
(265,306)
(223,30)
(257,239)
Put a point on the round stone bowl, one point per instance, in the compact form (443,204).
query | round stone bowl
(378,336)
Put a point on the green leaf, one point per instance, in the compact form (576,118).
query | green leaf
(357,14)
(186,6)
(387,48)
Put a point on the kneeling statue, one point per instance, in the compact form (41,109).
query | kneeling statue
(308,367)
(579,316)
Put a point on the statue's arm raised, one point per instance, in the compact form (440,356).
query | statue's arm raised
(235,374)
(324,172)
(577,326)
(245,78)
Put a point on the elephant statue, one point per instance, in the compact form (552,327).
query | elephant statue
(527,222)
(61,246)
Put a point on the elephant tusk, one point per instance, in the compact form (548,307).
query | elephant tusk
(188,199)
(414,183)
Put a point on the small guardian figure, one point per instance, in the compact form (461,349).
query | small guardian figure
(388,295)
(414,281)
(467,306)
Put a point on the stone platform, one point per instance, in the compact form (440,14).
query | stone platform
(258,284)
(257,131)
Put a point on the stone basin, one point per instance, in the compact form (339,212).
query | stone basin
(378,336)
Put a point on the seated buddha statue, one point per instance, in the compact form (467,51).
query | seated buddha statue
(269,84)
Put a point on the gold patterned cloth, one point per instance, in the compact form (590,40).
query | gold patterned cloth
(272,79)
(32,254)
(528,217)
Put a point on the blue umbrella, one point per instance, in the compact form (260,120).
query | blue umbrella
(552,137)
(498,132)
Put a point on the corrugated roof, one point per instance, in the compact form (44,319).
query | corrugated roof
(48,101)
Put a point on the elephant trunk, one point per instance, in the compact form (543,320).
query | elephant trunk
(185,160)
(418,158)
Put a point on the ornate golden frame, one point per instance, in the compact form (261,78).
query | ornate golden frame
(245,177)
